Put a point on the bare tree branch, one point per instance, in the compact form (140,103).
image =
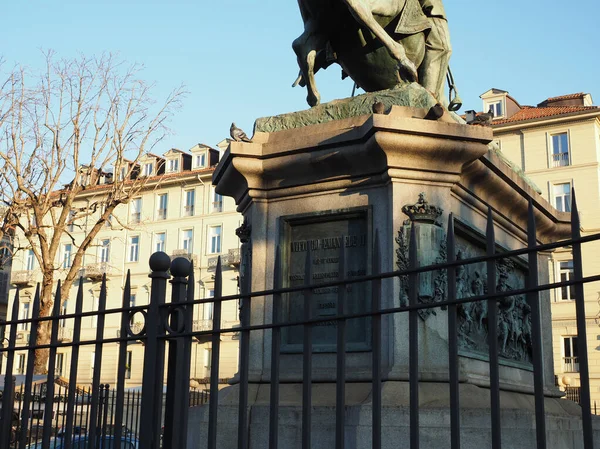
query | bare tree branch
(61,131)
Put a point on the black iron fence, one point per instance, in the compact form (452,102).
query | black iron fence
(168,331)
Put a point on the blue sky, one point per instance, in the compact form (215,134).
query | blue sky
(235,56)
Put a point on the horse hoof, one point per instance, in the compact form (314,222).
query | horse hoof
(313,100)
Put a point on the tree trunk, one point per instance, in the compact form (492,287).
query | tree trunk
(40,364)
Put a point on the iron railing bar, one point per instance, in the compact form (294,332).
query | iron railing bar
(9,385)
(51,368)
(307,350)
(275,355)
(29,374)
(376,347)
(245,320)
(159,264)
(584,374)
(97,362)
(215,354)
(413,340)
(37,436)
(105,416)
(492,308)
(393,310)
(533,299)
(122,357)
(340,391)
(19,426)
(173,406)
(453,363)
(187,359)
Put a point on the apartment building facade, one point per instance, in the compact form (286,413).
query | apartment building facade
(557,145)
(176,212)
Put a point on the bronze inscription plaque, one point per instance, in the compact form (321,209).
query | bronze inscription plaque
(324,236)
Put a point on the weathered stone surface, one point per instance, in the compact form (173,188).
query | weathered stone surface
(412,95)
(563,422)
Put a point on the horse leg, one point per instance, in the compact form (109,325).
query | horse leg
(364,15)
(432,72)
(306,47)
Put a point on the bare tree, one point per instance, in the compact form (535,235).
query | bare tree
(60,133)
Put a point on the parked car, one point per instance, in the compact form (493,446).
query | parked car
(81,442)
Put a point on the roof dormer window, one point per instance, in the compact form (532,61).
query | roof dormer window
(495,107)
(200,160)
(173,165)
(148,169)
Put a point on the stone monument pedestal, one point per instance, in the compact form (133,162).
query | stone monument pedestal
(342,182)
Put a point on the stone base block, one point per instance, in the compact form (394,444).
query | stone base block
(563,421)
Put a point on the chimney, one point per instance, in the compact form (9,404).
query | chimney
(470,116)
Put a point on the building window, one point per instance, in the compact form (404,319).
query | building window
(173,165)
(207,362)
(570,355)
(217,205)
(562,196)
(58,366)
(66,255)
(21,364)
(200,160)
(104,251)
(132,301)
(108,222)
(148,169)
(96,306)
(565,273)
(71,222)
(135,211)
(24,316)
(63,322)
(163,200)
(159,242)
(495,108)
(133,253)
(122,173)
(187,240)
(30,260)
(128,361)
(214,239)
(560,150)
(188,208)
(209,307)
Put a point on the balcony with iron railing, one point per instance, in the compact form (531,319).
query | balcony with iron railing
(232,259)
(95,271)
(22,337)
(65,334)
(570,364)
(560,159)
(217,206)
(135,218)
(161,214)
(183,253)
(25,278)
(188,211)
(136,328)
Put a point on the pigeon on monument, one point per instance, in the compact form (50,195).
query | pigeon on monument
(237,134)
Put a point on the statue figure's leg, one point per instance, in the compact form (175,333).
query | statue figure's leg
(306,47)
(361,10)
(432,72)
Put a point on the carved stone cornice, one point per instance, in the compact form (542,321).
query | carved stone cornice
(346,153)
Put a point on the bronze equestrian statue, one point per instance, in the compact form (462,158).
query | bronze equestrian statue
(378,43)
